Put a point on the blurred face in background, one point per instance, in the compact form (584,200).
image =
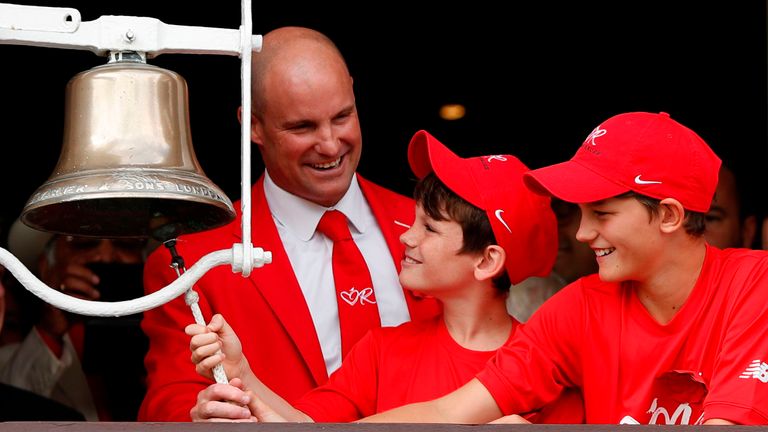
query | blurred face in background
(574,258)
(725,227)
(12,328)
(83,250)
(66,260)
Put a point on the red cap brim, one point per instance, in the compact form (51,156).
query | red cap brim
(426,154)
(572,182)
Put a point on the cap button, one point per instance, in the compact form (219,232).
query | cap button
(663,114)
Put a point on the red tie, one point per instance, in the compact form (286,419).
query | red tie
(358,312)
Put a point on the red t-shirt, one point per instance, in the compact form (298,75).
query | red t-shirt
(708,362)
(394,366)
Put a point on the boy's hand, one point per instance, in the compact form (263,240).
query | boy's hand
(217,343)
(222,403)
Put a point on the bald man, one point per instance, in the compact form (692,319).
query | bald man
(305,125)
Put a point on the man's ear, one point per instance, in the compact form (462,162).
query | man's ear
(255,126)
(491,263)
(764,234)
(672,215)
(748,231)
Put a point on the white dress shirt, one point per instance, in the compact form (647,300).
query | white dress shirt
(310,256)
(32,366)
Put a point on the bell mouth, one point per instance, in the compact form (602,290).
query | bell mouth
(128,203)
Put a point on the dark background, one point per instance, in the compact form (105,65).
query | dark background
(536,78)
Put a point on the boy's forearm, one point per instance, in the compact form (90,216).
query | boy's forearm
(423,412)
(470,404)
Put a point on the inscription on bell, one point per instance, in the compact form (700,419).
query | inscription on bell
(128,182)
(139,182)
(58,192)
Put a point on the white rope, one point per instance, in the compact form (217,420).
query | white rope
(191,298)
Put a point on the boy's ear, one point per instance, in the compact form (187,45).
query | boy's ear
(491,263)
(672,215)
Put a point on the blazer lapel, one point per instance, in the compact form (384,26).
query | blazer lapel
(277,283)
(391,228)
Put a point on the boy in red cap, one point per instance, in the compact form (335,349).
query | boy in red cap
(671,330)
(477,229)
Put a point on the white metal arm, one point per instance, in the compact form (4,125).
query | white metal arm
(128,307)
(55,27)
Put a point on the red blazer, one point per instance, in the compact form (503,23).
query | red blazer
(267,310)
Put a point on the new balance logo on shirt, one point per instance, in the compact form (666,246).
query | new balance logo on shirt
(757,369)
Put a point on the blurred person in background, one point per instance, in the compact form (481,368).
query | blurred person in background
(70,358)
(574,260)
(19,404)
(731,221)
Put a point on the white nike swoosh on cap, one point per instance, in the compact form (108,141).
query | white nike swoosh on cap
(640,181)
(498,216)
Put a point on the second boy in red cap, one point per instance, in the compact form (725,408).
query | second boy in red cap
(671,331)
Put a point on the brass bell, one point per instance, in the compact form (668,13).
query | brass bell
(127,167)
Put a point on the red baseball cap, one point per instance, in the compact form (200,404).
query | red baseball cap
(522,222)
(647,153)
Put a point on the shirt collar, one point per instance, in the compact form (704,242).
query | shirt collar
(300,216)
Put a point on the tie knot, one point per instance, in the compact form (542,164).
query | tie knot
(334,225)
